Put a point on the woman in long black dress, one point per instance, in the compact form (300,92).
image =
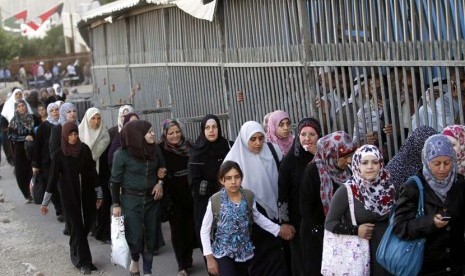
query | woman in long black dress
(176,149)
(20,130)
(80,193)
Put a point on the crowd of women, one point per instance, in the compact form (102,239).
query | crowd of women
(257,206)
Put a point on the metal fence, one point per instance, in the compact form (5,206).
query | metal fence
(308,57)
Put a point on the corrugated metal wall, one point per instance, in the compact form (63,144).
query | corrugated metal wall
(262,55)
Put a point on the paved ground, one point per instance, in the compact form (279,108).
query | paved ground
(32,243)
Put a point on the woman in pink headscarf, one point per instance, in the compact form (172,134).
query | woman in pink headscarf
(278,130)
(456,134)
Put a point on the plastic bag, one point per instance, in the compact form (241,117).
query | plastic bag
(119,245)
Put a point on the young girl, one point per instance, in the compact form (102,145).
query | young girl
(230,250)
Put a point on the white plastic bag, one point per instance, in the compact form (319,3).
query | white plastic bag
(119,245)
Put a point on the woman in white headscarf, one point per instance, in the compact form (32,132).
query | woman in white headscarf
(260,167)
(9,109)
(93,133)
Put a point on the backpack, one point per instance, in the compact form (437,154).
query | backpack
(216,205)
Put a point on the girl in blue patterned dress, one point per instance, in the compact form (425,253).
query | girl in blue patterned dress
(228,249)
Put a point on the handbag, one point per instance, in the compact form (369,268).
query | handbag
(402,257)
(345,254)
(119,245)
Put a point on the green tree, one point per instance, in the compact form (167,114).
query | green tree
(52,44)
(8,46)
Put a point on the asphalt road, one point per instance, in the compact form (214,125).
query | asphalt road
(51,229)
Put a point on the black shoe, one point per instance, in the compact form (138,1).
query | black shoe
(92,267)
(60,218)
(66,232)
(85,269)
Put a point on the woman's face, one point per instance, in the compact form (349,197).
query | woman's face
(343,162)
(71,115)
(284,129)
(95,121)
(173,135)
(211,130)
(21,108)
(256,142)
(232,181)
(72,138)
(455,143)
(42,111)
(150,136)
(308,138)
(18,96)
(440,167)
(55,113)
(124,112)
(370,166)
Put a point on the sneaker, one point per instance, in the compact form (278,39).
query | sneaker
(29,200)
(85,269)
(182,273)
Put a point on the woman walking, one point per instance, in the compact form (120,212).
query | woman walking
(81,193)
(137,188)
(176,150)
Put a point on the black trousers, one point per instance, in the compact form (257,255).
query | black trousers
(23,169)
(229,267)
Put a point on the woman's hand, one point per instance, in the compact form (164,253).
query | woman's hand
(438,222)
(29,138)
(116,211)
(157,191)
(365,230)
(98,203)
(35,171)
(388,129)
(212,265)
(287,232)
(44,210)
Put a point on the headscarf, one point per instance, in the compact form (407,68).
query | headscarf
(407,161)
(125,109)
(271,136)
(9,107)
(183,147)
(260,171)
(328,150)
(63,110)
(67,148)
(58,92)
(306,122)
(50,119)
(458,132)
(97,139)
(22,123)
(128,116)
(133,139)
(203,145)
(376,195)
(435,146)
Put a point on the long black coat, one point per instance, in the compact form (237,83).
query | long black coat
(444,247)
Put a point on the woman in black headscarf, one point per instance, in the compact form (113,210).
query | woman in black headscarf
(176,150)
(291,170)
(207,155)
(81,192)
(137,188)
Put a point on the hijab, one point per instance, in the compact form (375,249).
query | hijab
(202,144)
(274,120)
(133,139)
(123,110)
(260,171)
(127,117)
(97,139)
(58,90)
(183,147)
(63,110)
(67,148)
(435,146)
(328,150)
(23,123)
(458,132)
(407,161)
(306,122)
(50,119)
(376,195)
(9,108)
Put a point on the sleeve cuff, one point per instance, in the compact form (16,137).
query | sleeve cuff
(47,198)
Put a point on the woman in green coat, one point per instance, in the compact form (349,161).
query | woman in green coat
(137,188)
